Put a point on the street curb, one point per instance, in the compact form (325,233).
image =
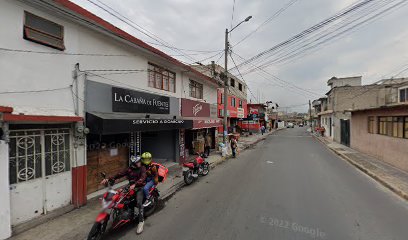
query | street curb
(383,182)
(169,193)
(173,189)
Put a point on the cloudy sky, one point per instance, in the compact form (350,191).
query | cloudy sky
(374,50)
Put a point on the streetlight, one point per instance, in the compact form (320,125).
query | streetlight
(225,125)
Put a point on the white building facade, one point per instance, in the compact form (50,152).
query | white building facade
(51,51)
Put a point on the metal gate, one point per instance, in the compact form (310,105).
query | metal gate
(39,169)
(345,132)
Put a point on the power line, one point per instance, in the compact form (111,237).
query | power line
(306,47)
(63,53)
(36,91)
(276,14)
(308,31)
(137,27)
(276,79)
(242,77)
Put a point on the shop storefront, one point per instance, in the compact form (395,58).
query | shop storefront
(125,122)
(205,123)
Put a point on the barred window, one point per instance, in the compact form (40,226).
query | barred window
(43,31)
(161,78)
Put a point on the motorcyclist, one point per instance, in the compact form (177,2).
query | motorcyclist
(136,174)
(152,176)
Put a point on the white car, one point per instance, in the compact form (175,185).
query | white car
(290,125)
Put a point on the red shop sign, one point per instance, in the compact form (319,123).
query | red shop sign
(191,108)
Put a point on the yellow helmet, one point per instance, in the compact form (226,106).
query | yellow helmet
(146,158)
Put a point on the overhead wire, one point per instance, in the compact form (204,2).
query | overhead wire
(296,52)
(268,20)
(308,31)
(283,83)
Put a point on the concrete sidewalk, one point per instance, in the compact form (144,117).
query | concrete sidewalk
(77,223)
(389,176)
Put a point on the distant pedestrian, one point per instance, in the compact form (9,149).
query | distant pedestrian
(207,144)
(263,130)
(234,146)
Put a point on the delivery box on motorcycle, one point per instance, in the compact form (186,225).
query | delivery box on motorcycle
(162,171)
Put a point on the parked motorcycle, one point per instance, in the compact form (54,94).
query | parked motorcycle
(118,206)
(195,168)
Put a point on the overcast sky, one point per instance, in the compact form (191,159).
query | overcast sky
(376,50)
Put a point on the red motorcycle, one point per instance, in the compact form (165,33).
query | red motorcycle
(118,206)
(195,168)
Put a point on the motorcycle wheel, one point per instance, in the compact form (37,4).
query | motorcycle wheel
(188,178)
(152,207)
(206,169)
(96,232)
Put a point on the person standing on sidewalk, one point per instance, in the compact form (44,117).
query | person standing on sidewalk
(263,129)
(207,144)
(234,146)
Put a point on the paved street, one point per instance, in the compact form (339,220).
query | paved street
(288,187)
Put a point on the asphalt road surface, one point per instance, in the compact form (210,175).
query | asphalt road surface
(287,187)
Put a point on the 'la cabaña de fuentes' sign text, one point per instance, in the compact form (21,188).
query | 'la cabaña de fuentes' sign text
(126,100)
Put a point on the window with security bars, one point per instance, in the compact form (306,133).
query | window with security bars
(161,78)
(33,151)
(43,31)
(196,89)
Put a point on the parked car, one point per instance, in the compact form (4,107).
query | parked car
(300,124)
(290,125)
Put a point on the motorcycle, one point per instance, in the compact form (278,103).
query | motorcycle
(118,206)
(195,168)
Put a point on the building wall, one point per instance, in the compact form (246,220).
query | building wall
(336,124)
(389,149)
(34,71)
(209,90)
(232,110)
(5,225)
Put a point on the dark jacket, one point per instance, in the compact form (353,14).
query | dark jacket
(136,175)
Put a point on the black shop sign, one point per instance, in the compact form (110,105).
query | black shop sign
(126,100)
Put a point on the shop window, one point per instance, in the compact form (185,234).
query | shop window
(196,89)
(403,95)
(161,78)
(232,82)
(222,98)
(240,103)
(371,125)
(240,86)
(43,31)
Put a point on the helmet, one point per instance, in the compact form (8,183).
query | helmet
(134,159)
(146,158)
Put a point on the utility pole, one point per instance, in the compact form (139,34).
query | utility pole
(226,50)
(310,117)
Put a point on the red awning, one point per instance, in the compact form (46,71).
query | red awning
(207,123)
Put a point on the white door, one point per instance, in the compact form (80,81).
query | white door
(40,177)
